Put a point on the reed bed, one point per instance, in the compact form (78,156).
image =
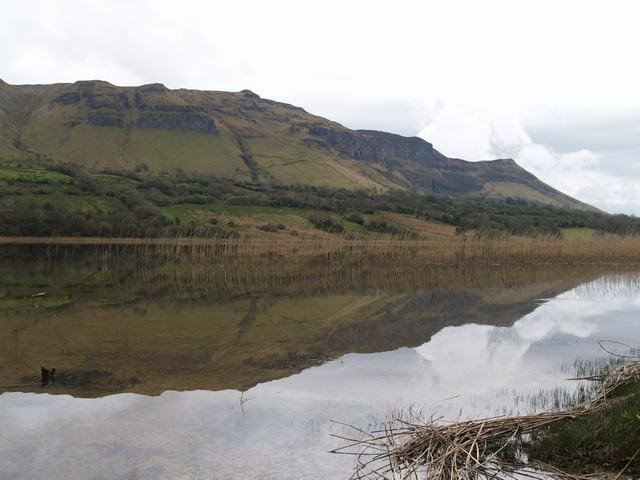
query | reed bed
(400,250)
(243,266)
(434,450)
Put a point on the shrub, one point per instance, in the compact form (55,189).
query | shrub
(381,226)
(270,227)
(354,218)
(326,223)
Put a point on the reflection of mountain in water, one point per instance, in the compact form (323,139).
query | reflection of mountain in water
(164,338)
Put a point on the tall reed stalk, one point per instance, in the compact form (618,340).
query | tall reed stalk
(375,251)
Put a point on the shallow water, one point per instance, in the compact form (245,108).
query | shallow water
(201,384)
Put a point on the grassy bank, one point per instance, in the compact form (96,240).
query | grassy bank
(601,440)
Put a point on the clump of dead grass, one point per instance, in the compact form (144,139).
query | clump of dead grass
(473,449)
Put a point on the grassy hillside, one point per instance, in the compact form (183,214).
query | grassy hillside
(237,136)
(41,198)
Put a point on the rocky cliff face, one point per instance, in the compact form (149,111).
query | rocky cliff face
(378,147)
(421,165)
(238,135)
(110,106)
(157,114)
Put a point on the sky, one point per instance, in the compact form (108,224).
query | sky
(552,84)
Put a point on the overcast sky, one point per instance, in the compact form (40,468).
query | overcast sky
(553,84)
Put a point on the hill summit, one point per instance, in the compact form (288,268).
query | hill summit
(241,136)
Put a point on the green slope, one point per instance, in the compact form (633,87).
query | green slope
(240,136)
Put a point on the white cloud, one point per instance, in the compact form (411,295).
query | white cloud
(551,166)
(473,133)
(502,71)
(580,175)
(459,133)
(477,134)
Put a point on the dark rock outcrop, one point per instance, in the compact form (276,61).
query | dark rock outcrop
(68,98)
(110,106)
(114,100)
(197,122)
(156,111)
(377,147)
(106,119)
(152,88)
(250,94)
(96,95)
(145,92)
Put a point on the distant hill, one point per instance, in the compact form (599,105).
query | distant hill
(239,135)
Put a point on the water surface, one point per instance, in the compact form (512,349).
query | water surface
(158,377)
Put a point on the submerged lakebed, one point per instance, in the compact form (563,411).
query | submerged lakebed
(173,370)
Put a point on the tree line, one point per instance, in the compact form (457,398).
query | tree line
(116,203)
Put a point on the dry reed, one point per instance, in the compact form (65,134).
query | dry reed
(455,250)
(433,450)
(321,265)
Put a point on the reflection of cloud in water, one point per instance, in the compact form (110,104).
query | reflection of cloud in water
(477,357)
(485,358)
(284,432)
(571,317)
(584,312)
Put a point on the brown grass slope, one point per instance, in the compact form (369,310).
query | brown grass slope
(241,136)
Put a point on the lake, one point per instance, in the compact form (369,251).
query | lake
(188,371)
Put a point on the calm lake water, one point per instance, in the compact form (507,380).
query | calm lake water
(164,374)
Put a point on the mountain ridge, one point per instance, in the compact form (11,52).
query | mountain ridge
(241,136)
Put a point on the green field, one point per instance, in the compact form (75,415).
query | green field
(34,176)
(171,212)
(578,232)
(113,179)
(253,217)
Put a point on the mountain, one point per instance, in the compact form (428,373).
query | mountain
(238,135)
